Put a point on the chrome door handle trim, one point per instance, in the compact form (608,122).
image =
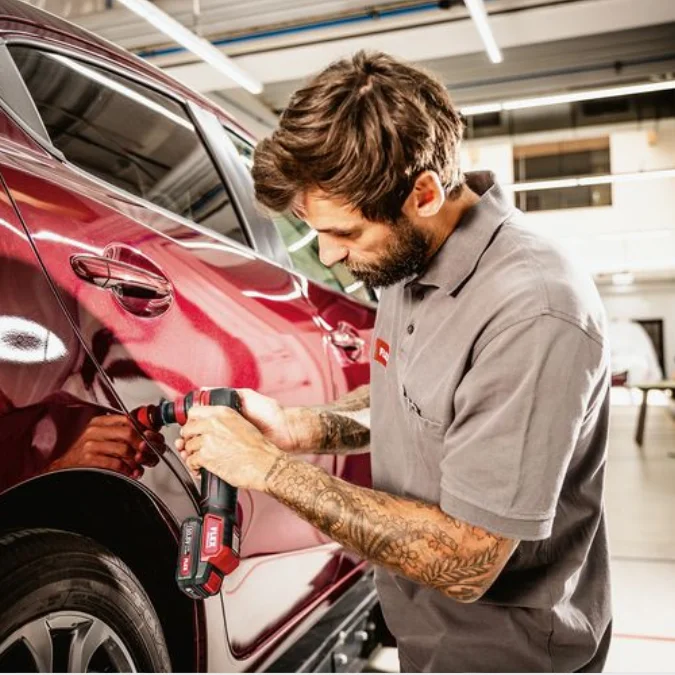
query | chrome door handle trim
(119,276)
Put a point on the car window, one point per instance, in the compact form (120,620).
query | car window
(129,136)
(302,244)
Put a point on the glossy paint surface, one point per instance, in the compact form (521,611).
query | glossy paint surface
(230,319)
(48,385)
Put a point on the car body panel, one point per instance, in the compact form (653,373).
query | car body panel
(234,318)
(222,329)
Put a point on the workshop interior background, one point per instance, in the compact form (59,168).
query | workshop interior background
(578,121)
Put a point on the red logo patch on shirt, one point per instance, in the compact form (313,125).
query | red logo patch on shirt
(382,352)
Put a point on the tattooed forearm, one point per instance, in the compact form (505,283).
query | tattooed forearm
(358,399)
(340,433)
(412,538)
(327,432)
(342,427)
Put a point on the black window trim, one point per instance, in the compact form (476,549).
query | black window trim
(261,230)
(46,143)
(16,100)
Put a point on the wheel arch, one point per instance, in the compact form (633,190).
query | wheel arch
(127,519)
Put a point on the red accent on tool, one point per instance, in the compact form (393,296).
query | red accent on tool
(181,413)
(213,584)
(143,416)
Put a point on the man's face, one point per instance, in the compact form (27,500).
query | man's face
(378,254)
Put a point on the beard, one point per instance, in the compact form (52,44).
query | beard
(403,257)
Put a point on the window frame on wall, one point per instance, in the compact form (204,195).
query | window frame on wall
(301,243)
(556,161)
(243,239)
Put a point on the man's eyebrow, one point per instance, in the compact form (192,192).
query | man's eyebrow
(336,230)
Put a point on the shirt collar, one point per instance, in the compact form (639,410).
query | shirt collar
(459,255)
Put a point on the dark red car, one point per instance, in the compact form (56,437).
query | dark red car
(135,265)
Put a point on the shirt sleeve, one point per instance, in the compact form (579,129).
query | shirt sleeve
(518,414)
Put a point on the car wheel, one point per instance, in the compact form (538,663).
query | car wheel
(70,605)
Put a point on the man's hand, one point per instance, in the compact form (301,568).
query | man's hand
(111,442)
(333,428)
(271,419)
(220,440)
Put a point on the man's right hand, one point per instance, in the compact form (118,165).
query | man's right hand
(272,420)
(324,429)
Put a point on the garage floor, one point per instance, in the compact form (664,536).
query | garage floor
(640,496)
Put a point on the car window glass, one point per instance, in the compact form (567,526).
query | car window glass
(129,136)
(302,243)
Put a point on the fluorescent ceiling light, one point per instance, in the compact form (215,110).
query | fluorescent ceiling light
(574,97)
(202,48)
(627,177)
(352,288)
(570,97)
(479,15)
(591,180)
(555,184)
(481,109)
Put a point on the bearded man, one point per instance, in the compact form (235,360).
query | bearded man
(489,393)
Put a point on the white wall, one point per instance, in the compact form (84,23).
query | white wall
(636,233)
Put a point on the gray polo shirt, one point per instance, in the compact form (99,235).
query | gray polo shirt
(490,397)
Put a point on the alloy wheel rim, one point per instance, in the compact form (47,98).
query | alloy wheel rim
(85,642)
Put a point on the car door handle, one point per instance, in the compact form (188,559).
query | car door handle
(123,278)
(347,338)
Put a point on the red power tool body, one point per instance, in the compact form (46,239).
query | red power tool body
(209,544)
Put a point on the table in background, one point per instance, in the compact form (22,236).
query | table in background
(645,387)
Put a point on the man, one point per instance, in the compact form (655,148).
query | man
(488,394)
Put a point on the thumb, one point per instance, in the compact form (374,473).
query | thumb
(250,400)
(194,462)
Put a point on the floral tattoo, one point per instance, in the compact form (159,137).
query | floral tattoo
(414,539)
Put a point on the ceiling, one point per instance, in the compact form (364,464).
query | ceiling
(549,46)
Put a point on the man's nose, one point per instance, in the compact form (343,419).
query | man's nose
(330,253)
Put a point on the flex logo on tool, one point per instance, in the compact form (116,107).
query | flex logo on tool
(382,350)
(213,534)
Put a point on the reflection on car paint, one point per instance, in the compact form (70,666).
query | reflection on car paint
(25,341)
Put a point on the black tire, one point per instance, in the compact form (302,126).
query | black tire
(73,591)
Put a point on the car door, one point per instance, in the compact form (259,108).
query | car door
(130,215)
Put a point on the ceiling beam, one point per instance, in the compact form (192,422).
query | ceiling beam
(454,38)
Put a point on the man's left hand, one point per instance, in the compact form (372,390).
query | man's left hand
(220,440)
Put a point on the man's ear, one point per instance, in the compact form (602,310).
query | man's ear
(427,196)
